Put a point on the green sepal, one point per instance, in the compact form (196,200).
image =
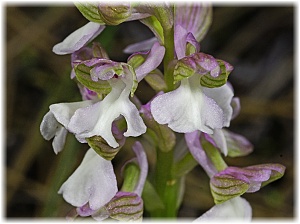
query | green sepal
(155,26)
(156,80)
(213,154)
(190,49)
(83,76)
(277,172)
(225,187)
(134,79)
(131,174)
(99,51)
(100,146)
(212,82)
(90,11)
(126,206)
(136,60)
(236,147)
(165,15)
(184,69)
(114,14)
(152,201)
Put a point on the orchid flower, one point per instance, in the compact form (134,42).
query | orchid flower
(93,182)
(193,106)
(120,205)
(96,119)
(229,182)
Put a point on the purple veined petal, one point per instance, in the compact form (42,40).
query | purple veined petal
(126,206)
(93,182)
(274,167)
(87,94)
(104,72)
(152,61)
(78,38)
(97,61)
(192,40)
(237,144)
(140,46)
(230,173)
(235,209)
(143,164)
(84,53)
(252,174)
(188,108)
(206,63)
(193,142)
(194,17)
(180,36)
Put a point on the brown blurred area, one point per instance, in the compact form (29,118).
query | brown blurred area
(259,41)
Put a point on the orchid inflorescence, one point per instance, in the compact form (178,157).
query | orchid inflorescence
(186,122)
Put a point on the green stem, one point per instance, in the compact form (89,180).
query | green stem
(213,154)
(169,57)
(166,186)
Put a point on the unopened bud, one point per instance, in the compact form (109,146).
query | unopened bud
(114,14)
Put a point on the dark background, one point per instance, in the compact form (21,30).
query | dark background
(259,41)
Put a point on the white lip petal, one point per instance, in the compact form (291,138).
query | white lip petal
(78,38)
(59,140)
(93,182)
(188,109)
(49,126)
(64,111)
(97,119)
(236,209)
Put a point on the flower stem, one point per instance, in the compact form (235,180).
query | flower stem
(166,185)
(169,57)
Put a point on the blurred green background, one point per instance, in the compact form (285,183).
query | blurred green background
(257,40)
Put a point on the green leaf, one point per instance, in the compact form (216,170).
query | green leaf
(90,11)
